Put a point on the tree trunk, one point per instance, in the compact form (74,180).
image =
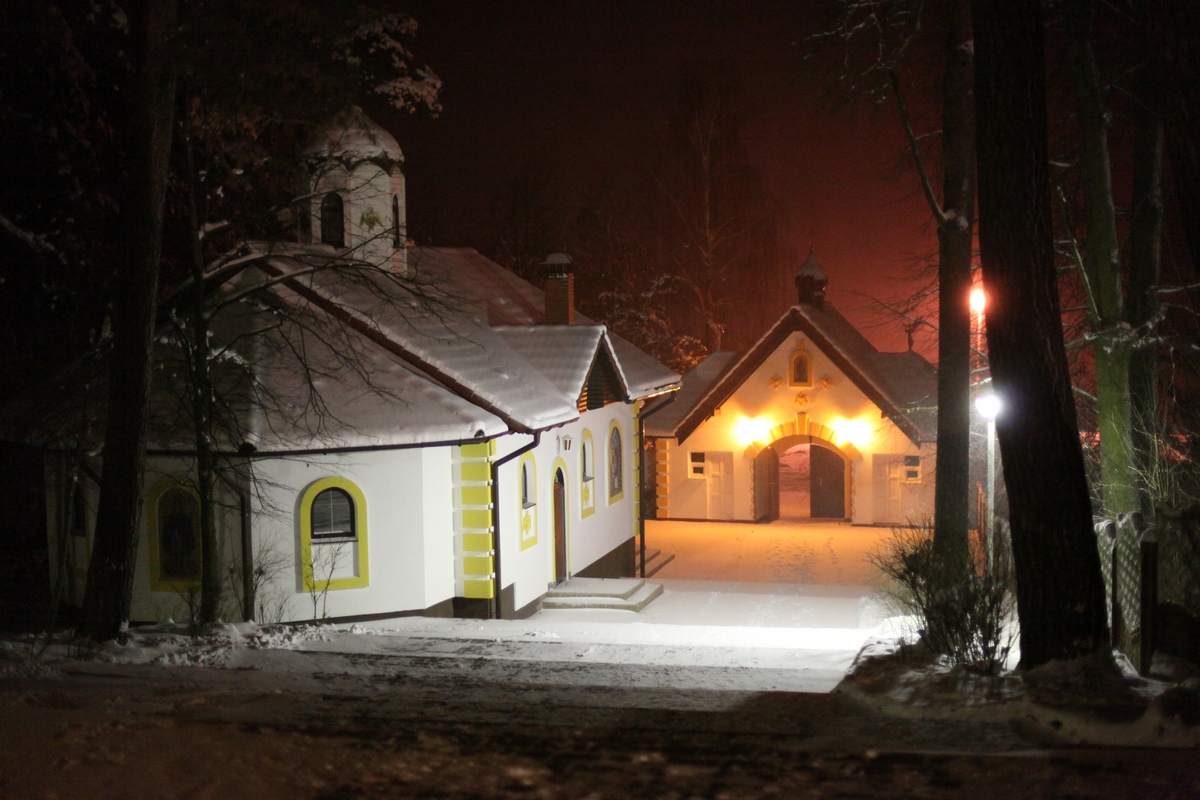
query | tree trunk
(955,243)
(1145,238)
(1102,264)
(1060,595)
(110,575)
(201,404)
(1172,26)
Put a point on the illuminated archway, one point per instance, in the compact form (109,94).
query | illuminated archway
(783,437)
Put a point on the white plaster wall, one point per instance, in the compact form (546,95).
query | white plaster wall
(149,605)
(531,571)
(367,193)
(409,528)
(768,406)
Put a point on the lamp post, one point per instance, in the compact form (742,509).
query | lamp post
(988,406)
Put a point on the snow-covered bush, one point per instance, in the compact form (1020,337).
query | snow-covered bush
(964,614)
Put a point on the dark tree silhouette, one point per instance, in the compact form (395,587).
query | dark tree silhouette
(1060,593)
(110,576)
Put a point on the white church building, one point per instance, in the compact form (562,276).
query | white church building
(412,430)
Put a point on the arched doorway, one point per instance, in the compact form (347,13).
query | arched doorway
(560,526)
(802,477)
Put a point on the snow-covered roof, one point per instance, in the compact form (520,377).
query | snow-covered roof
(562,353)
(354,137)
(696,383)
(311,389)
(500,298)
(421,325)
(902,385)
(367,357)
(811,268)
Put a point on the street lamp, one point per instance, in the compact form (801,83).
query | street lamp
(988,406)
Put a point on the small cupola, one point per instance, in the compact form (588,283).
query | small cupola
(558,286)
(811,280)
(357,191)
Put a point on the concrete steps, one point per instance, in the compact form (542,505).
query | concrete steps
(656,560)
(620,594)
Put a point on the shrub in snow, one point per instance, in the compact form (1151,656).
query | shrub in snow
(964,614)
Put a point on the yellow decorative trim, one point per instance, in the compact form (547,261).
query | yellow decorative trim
(362,577)
(806,429)
(477,542)
(479,450)
(478,565)
(479,589)
(528,531)
(587,483)
(475,471)
(476,495)
(474,520)
(157,582)
(477,518)
(618,496)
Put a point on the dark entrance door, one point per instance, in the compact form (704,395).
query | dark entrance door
(766,490)
(560,527)
(828,472)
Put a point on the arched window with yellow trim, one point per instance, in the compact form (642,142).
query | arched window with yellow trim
(587,475)
(173,524)
(616,464)
(527,514)
(333,535)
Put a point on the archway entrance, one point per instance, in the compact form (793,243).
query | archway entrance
(801,476)
(812,483)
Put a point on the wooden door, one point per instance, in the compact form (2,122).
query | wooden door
(560,527)
(828,483)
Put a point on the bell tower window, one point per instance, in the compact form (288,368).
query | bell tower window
(333,220)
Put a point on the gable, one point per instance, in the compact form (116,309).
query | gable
(847,350)
(602,385)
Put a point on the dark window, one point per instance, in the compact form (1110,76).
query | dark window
(800,370)
(527,497)
(912,461)
(395,221)
(333,515)
(333,220)
(588,468)
(178,535)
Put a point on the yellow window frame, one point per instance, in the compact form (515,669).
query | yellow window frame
(527,516)
(362,579)
(608,458)
(587,478)
(157,582)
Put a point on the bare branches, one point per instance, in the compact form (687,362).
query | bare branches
(935,208)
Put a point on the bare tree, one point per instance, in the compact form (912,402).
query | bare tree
(366,52)
(878,38)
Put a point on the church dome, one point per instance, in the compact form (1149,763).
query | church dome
(354,137)
(811,281)
(812,268)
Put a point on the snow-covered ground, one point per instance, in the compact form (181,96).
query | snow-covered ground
(696,635)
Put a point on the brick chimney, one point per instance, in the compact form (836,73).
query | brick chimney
(559,289)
